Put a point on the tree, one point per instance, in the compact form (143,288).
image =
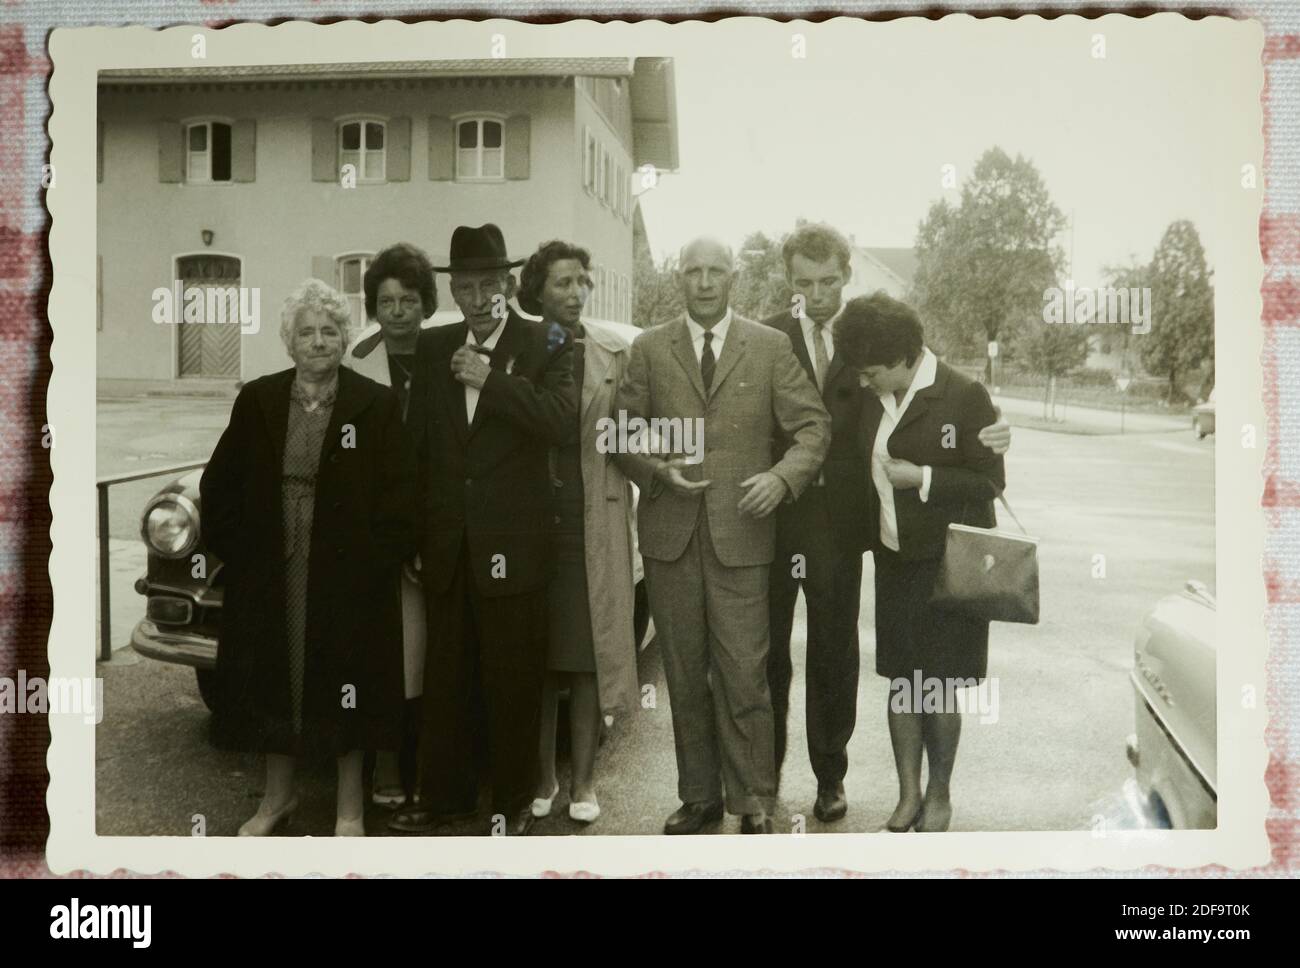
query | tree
(759,289)
(984,264)
(1182,307)
(1116,337)
(656,298)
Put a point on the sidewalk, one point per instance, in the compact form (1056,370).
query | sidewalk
(1084,420)
(106,389)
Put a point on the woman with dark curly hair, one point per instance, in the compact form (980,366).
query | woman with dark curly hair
(400,295)
(591,599)
(919,432)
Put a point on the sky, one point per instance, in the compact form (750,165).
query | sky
(857,132)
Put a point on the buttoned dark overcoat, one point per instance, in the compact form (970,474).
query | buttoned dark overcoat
(362,529)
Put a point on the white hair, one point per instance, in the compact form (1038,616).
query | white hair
(314,296)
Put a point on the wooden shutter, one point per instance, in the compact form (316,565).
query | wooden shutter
(322,268)
(442,149)
(517,146)
(171,151)
(99,151)
(398,161)
(243,151)
(324,151)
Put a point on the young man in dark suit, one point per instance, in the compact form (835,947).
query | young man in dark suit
(822,534)
(489,396)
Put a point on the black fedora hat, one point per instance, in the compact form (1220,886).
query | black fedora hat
(478,248)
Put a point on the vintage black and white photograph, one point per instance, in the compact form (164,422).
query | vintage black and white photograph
(749,428)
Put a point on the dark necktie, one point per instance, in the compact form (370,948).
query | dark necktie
(820,362)
(707,362)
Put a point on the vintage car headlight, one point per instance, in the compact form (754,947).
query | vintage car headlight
(171,525)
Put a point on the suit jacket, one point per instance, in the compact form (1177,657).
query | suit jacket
(487,484)
(845,472)
(758,388)
(965,478)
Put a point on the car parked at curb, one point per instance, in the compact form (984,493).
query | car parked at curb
(1174,745)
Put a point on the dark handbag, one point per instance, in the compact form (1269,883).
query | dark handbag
(989,574)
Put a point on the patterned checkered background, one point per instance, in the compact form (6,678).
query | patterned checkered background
(25,599)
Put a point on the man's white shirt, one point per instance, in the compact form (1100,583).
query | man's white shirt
(806,324)
(472,393)
(719,332)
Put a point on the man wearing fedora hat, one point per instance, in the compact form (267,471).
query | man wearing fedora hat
(489,396)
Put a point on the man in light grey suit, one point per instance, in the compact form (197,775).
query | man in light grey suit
(707,531)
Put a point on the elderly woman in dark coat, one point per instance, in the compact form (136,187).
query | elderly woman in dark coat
(306,500)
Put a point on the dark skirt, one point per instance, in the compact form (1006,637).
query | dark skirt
(912,635)
(570,646)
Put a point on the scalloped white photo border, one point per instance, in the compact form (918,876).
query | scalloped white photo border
(1240,840)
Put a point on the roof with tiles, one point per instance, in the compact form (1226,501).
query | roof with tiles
(481,67)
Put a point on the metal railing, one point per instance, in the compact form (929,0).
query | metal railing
(101,486)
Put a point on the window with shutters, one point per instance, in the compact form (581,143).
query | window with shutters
(607,180)
(480,149)
(349,271)
(362,144)
(207,152)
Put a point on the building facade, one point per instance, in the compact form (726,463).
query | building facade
(252,180)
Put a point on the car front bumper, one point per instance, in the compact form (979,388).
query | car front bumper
(181,648)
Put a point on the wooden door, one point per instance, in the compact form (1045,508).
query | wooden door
(210,348)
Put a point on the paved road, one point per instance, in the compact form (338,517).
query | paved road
(1052,760)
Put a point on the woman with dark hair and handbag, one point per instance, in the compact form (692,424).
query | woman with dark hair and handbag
(919,433)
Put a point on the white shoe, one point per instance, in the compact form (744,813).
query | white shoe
(388,796)
(263,823)
(350,828)
(584,812)
(542,807)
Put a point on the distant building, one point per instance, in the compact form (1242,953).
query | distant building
(1108,351)
(890,269)
(234,177)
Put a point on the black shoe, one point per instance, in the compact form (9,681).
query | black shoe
(831,803)
(691,818)
(416,820)
(756,823)
(520,822)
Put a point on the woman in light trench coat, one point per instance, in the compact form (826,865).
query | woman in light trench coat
(399,295)
(591,599)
